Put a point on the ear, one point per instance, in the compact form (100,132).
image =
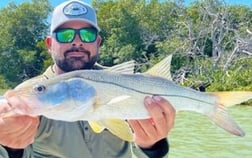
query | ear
(48,41)
(99,40)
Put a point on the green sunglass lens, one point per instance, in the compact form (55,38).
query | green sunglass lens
(88,35)
(66,35)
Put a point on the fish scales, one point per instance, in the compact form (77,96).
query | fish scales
(105,97)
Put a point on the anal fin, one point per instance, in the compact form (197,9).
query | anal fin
(119,128)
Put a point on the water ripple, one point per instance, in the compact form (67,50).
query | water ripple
(195,136)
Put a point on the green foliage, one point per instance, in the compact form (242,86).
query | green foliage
(45,59)
(238,77)
(121,33)
(3,84)
(22,27)
(131,29)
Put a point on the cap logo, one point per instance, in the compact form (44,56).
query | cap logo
(75,9)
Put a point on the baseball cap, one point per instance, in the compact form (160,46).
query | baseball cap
(73,10)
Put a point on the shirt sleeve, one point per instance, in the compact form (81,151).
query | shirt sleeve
(158,150)
(6,152)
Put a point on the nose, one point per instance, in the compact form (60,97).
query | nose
(77,41)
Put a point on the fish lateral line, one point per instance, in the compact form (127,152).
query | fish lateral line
(145,93)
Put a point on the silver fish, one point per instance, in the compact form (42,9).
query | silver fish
(106,99)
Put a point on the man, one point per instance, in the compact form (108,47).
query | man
(74,44)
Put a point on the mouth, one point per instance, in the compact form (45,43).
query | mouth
(76,54)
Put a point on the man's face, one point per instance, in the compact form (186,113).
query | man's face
(75,55)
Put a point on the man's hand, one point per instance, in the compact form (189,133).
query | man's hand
(149,131)
(16,131)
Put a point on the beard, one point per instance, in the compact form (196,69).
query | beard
(71,63)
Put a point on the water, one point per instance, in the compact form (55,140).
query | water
(195,136)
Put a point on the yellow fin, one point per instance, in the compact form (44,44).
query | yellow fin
(96,127)
(119,128)
(162,69)
(228,99)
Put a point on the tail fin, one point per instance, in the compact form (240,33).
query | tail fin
(224,120)
(228,99)
(221,116)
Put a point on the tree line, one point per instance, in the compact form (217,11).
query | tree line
(210,40)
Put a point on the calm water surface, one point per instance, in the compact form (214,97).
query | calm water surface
(194,136)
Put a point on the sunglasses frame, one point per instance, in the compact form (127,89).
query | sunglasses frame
(76,31)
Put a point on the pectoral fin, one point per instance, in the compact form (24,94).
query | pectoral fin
(118,99)
(98,103)
(119,128)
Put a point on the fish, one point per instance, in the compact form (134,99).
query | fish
(106,99)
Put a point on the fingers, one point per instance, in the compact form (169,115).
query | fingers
(168,113)
(23,123)
(16,131)
(162,113)
(144,133)
(149,131)
(142,127)
(19,131)
(29,132)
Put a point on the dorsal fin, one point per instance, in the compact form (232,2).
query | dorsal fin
(161,69)
(123,68)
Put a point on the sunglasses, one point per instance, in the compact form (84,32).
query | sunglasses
(67,35)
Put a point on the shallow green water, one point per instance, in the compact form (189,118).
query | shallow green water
(194,136)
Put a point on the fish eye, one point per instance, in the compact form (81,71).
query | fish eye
(39,88)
